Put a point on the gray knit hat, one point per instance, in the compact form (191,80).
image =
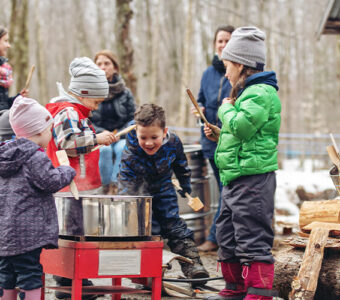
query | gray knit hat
(246,46)
(87,79)
(5,126)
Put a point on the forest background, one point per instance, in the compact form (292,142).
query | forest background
(164,46)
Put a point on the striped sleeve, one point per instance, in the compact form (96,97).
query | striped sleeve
(71,134)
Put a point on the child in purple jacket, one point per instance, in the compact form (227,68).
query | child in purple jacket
(28,216)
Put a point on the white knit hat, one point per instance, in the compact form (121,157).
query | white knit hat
(87,79)
(246,47)
(28,117)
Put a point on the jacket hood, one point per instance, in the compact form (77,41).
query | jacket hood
(58,103)
(14,154)
(64,96)
(261,78)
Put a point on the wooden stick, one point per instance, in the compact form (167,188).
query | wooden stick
(63,161)
(194,102)
(178,289)
(194,202)
(29,77)
(215,130)
(118,134)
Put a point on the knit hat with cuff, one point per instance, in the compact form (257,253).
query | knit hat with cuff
(5,126)
(246,47)
(87,79)
(28,118)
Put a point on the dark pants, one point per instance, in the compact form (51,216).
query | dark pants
(23,271)
(244,227)
(212,233)
(165,215)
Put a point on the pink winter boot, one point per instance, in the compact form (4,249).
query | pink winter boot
(258,279)
(8,294)
(234,289)
(30,294)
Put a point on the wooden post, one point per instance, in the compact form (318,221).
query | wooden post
(304,285)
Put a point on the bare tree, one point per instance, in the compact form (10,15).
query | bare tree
(183,105)
(19,40)
(40,56)
(124,45)
(154,56)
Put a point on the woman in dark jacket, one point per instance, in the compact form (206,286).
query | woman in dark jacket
(113,114)
(6,79)
(214,87)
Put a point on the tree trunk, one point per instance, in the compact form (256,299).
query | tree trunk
(84,46)
(184,103)
(287,265)
(40,57)
(124,45)
(19,40)
(155,56)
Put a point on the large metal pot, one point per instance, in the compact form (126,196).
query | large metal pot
(104,215)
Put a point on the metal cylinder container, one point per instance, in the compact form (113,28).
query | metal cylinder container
(198,222)
(104,215)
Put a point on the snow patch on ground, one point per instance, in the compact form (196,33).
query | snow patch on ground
(291,176)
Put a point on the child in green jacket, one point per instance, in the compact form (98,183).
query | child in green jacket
(246,156)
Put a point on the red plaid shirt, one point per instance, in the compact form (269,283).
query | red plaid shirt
(6,75)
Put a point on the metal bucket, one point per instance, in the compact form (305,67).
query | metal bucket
(104,215)
(198,222)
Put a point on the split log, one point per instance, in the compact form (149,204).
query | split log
(323,211)
(301,242)
(304,285)
(287,265)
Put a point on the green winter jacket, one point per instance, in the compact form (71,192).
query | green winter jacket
(250,128)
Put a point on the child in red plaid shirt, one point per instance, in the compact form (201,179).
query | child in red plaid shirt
(73,131)
(6,79)
(72,128)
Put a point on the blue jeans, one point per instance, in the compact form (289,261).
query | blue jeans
(109,166)
(212,233)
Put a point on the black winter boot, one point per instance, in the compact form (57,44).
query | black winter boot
(62,281)
(187,248)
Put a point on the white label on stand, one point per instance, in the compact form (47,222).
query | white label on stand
(119,262)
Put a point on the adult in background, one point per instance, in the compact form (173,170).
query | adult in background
(112,115)
(214,87)
(6,79)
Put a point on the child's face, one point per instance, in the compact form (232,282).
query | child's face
(91,104)
(107,66)
(150,138)
(233,71)
(4,45)
(45,137)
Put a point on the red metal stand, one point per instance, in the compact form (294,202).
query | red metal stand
(116,260)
